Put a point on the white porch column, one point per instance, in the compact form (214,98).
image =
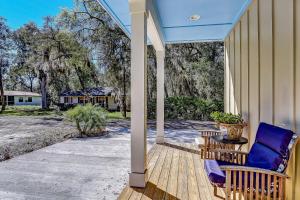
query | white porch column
(138,175)
(160,57)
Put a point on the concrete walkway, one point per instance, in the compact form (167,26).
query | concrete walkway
(92,168)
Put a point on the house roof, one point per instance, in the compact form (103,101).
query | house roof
(216,18)
(21,93)
(100,91)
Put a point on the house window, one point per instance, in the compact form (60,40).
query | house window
(100,101)
(80,100)
(84,100)
(21,99)
(68,100)
(11,100)
(29,99)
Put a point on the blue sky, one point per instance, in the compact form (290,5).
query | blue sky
(19,12)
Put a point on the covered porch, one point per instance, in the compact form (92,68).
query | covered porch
(262,79)
(174,172)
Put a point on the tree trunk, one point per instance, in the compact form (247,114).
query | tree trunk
(31,85)
(43,84)
(124,93)
(2,91)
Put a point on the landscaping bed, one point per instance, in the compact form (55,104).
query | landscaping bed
(19,135)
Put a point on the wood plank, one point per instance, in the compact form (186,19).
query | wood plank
(253,71)
(263,183)
(251,186)
(237,68)
(240,185)
(125,194)
(159,194)
(266,60)
(164,176)
(173,177)
(137,193)
(226,75)
(153,160)
(158,166)
(192,182)
(182,190)
(151,153)
(244,68)
(204,186)
(231,73)
(150,187)
(149,191)
(228,184)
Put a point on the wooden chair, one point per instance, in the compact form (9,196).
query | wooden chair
(261,174)
(206,143)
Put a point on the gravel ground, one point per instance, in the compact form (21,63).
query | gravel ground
(19,135)
(78,168)
(75,169)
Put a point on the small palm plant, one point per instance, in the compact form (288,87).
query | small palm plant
(89,119)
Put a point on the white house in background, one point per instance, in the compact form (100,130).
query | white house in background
(103,96)
(22,98)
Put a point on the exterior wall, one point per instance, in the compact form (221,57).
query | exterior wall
(36,101)
(262,72)
(61,99)
(111,103)
(75,100)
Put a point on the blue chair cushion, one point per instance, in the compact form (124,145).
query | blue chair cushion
(274,137)
(216,176)
(261,156)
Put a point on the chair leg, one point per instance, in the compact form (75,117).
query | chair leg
(216,193)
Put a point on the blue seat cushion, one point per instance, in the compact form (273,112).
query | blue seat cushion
(215,174)
(261,156)
(274,137)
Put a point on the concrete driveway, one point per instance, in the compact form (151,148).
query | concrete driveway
(91,168)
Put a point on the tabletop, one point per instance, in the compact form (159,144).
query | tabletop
(223,139)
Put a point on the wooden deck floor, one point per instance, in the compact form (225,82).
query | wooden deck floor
(174,172)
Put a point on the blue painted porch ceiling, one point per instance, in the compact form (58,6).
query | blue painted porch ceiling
(217,17)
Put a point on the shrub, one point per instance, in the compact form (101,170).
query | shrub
(188,108)
(89,119)
(226,118)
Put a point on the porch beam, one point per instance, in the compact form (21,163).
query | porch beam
(154,30)
(160,57)
(138,175)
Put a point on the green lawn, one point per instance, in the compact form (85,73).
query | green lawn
(117,115)
(28,111)
(37,111)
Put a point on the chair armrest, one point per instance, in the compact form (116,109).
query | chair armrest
(232,156)
(255,182)
(226,151)
(233,168)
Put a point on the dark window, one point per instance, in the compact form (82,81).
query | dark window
(11,100)
(66,100)
(29,99)
(21,99)
(80,100)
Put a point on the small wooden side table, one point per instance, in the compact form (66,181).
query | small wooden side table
(224,141)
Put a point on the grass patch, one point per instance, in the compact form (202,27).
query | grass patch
(37,111)
(27,111)
(117,115)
